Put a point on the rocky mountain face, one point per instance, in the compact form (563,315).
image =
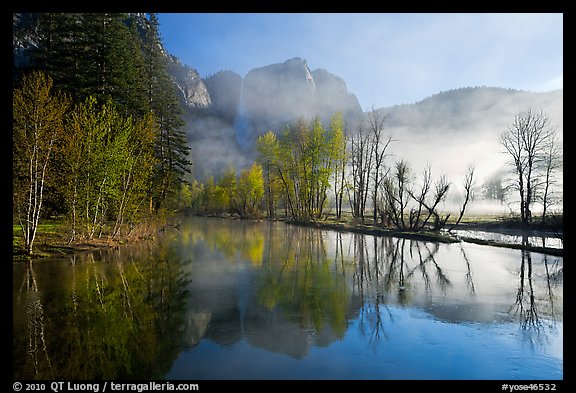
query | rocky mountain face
(190,84)
(225,113)
(224,88)
(279,94)
(269,97)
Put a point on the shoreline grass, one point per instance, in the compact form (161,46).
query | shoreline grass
(52,239)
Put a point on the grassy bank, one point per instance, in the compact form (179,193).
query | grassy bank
(53,239)
(53,235)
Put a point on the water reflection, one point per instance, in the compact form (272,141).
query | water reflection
(140,311)
(527,309)
(304,285)
(414,273)
(98,316)
(277,283)
(298,279)
(549,240)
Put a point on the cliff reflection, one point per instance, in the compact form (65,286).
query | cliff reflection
(303,286)
(128,313)
(286,298)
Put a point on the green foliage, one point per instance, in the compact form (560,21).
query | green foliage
(267,146)
(118,58)
(38,124)
(93,54)
(215,199)
(249,192)
(110,160)
(241,195)
(171,149)
(340,154)
(299,281)
(304,161)
(123,153)
(105,320)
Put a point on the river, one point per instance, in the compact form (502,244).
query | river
(230,299)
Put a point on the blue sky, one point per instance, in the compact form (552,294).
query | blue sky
(386,59)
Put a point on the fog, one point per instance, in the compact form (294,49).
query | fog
(454,130)
(213,146)
(449,131)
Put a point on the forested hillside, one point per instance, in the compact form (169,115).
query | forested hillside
(98,135)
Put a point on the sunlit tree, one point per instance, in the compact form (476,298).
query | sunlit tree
(249,192)
(338,147)
(267,146)
(38,122)
(110,163)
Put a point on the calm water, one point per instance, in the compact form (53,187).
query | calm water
(222,299)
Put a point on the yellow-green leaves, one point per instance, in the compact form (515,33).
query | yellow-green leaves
(38,123)
(111,159)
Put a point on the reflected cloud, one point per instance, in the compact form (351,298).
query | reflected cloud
(129,312)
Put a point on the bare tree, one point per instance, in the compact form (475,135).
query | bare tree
(468,183)
(361,162)
(396,191)
(420,198)
(551,163)
(379,145)
(441,188)
(526,141)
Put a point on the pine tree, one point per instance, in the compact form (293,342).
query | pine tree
(93,54)
(172,150)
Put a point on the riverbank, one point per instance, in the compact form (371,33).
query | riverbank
(53,236)
(368,229)
(470,232)
(53,240)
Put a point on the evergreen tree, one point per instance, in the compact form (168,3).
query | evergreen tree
(62,51)
(93,54)
(172,150)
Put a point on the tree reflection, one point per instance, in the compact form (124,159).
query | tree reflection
(245,239)
(298,280)
(100,319)
(389,272)
(36,358)
(428,258)
(469,280)
(537,315)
